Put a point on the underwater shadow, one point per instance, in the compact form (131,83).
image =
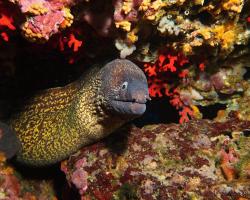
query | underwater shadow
(117,142)
(51,174)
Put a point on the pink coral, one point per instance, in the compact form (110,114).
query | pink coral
(79,179)
(43,25)
(130,15)
(33,6)
(79,175)
(44,18)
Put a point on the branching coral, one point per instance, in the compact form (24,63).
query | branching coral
(69,43)
(161,75)
(6,22)
(73,42)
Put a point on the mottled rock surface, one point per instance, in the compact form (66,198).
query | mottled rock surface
(14,185)
(200,159)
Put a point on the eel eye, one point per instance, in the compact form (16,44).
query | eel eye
(124,85)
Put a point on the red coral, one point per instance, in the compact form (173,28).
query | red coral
(248,19)
(202,66)
(70,40)
(172,61)
(7,21)
(169,66)
(69,45)
(74,42)
(5,36)
(186,113)
(150,70)
(183,73)
(156,88)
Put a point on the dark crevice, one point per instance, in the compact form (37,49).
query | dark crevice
(158,110)
(246,133)
(210,112)
(247,74)
(229,134)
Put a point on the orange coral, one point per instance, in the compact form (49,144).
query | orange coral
(228,159)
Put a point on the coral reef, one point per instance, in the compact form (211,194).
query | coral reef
(200,159)
(209,34)
(157,34)
(195,53)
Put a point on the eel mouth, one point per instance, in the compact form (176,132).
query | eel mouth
(131,101)
(130,107)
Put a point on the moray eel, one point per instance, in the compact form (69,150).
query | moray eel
(59,121)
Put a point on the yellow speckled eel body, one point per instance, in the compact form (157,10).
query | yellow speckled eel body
(59,121)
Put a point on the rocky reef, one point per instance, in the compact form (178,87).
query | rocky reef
(15,186)
(195,55)
(200,159)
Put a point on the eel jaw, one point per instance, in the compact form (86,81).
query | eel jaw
(129,107)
